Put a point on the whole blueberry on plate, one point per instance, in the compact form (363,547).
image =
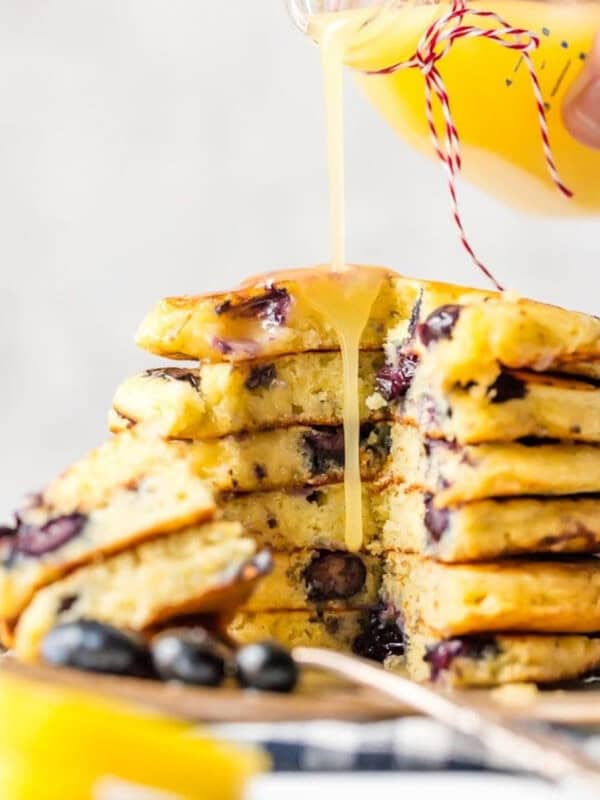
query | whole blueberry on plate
(188,655)
(94,646)
(266,666)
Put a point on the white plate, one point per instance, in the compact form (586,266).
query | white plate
(414,785)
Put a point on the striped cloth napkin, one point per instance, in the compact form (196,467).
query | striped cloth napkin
(409,743)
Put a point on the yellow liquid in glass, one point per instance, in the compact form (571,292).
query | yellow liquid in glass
(490,94)
(64,744)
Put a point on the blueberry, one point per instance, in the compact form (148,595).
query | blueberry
(315,497)
(34,540)
(261,377)
(325,448)
(260,471)
(325,445)
(382,635)
(437,520)
(270,306)
(334,575)
(440,655)
(175,374)
(188,655)
(393,381)
(96,647)
(7,532)
(506,387)
(239,347)
(439,324)
(267,667)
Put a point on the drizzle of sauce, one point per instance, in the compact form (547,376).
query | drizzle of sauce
(344,298)
(334,42)
(343,295)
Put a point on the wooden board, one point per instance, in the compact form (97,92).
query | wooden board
(318,697)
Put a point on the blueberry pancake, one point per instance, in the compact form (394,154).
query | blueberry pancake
(517,405)
(374,633)
(200,569)
(314,579)
(286,457)
(136,486)
(461,343)
(230,397)
(480,462)
(304,518)
(336,630)
(274,317)
(494,659)
(264,460)
(461,473)
(123,460)
(49,540)
(427,296)
(488,529)
(542,596)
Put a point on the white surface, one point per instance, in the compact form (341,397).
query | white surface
(150,147)
(440,786)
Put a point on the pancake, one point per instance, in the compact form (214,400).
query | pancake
(514,595)
(260,321)
(221,399)
(324,579)
(457,474)
(489,529)
(123,460)
(336,630)
(136,486)
(273,316)
(276,318)
(288,457)
(495,659)
(517,405)
(265,460)
(201,569)
(50,540)
(428,296)
(461,343)
(489,455)
(312,517)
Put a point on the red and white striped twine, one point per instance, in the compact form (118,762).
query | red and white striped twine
(433,46)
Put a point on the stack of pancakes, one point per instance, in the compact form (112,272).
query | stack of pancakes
(496,510)
(129,535)
(481,484)
(269,388)
(147,528)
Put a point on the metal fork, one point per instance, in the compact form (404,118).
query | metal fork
(541,753)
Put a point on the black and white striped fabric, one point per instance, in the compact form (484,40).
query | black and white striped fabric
(410,743)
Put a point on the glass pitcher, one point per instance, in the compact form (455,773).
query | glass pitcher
(513,141)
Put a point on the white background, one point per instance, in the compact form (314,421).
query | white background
(152,147)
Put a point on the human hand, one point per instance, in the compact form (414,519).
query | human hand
(581,107)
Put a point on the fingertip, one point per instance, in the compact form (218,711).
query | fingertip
(581,106)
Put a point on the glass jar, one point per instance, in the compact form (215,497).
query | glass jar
(488,55)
